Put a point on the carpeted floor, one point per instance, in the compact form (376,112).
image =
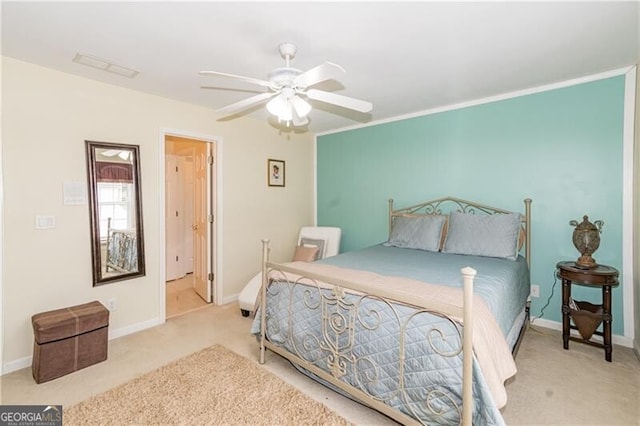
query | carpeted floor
(553,386)
(236,390)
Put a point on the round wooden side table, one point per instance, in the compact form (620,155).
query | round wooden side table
(602,276)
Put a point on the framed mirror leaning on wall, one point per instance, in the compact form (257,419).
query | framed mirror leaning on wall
(115,207)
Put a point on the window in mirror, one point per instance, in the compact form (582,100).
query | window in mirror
(115,211)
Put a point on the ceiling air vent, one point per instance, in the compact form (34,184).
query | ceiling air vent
(103,64)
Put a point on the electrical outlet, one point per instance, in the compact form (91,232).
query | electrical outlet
(535,290)
(112,306)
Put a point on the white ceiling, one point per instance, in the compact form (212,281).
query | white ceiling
(403,57)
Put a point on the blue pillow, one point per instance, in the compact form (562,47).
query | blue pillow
(483,235)
(417,232)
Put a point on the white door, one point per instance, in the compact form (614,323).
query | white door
(173,224)
(203,225)
(189,204)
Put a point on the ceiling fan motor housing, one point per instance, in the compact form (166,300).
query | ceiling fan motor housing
(283,77)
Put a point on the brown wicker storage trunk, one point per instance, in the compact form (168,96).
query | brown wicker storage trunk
(69,339)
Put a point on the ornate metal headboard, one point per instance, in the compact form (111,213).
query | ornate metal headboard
(445,205)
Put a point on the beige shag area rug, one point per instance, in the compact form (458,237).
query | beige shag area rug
(212,387)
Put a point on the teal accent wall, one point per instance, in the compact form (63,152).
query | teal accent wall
(562,148)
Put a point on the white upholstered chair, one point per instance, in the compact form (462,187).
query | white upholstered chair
(326,236)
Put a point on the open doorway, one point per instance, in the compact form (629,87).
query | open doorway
(189,240)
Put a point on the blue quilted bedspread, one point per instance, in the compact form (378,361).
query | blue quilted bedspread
(423,380)
(502,283)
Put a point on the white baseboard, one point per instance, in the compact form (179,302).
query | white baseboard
(554,325)
(133,328)
(230,299)
(19,364)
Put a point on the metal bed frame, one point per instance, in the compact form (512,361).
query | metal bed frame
(116,254)
(338,324)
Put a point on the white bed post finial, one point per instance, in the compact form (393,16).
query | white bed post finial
(263,298)
(468,274)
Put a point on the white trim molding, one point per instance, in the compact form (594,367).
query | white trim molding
(2,321)
(616,339)
(628,202)
(218,216)
(487,100)
(26,361)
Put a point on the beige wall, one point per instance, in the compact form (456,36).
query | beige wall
(636,218)
(47,116)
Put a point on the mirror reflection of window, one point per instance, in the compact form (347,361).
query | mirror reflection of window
(116,219)
(115,190)
(116,201)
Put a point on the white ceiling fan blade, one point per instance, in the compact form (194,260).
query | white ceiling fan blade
(234,89)
(237,77)
(325,71)
(245,103)
(340,100)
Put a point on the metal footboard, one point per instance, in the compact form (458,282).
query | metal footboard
(346,306)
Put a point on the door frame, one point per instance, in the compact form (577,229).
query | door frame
(216,262)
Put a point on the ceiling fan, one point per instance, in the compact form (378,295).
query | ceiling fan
(289,89)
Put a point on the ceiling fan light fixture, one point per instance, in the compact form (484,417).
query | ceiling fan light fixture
(278,107)
(290,90)
(286,103)
(286,115)
(301,106)
(281,107)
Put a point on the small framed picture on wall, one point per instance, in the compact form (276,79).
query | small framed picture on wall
(275,172)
